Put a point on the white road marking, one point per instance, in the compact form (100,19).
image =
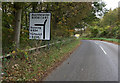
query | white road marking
(103,50)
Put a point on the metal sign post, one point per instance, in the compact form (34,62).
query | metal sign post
(48,44)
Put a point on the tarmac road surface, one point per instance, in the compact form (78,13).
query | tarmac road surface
(92,61)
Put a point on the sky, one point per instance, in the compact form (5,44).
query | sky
(111,4)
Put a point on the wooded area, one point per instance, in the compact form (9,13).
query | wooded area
(107,27)
(92,20)
(65,17)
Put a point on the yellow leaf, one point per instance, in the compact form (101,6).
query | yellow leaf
(26,53)
(13,52)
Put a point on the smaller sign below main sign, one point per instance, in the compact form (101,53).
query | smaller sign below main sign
(39,26)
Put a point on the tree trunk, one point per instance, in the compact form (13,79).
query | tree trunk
(26,20)
(34,6)
(81,31)
(17,27)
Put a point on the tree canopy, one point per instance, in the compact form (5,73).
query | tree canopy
(65,17)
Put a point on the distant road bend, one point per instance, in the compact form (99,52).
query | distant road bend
(92,61)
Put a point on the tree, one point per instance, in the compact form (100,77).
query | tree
(65,16)
(17,27)
(110,18)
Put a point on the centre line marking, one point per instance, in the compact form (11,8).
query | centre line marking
(103,50)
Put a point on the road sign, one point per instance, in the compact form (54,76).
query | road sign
(39,26)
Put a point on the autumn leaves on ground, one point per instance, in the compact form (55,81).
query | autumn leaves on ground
(37,65)
(67,20)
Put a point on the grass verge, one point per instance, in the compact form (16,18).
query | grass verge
(115,41)
(39,64)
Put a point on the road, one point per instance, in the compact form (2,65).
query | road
(92,61)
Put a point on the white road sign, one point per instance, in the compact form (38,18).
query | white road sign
(39,26)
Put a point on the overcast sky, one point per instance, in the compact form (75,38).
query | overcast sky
(111,4)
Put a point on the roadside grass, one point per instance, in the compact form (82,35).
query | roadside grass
(38,64)
(105,39)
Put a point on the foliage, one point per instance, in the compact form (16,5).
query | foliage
(65,16)
(24,66)
(107,32)
(111,18)
(107,27)
(36,65)
(7,42)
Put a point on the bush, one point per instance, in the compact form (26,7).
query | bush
(7,40)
